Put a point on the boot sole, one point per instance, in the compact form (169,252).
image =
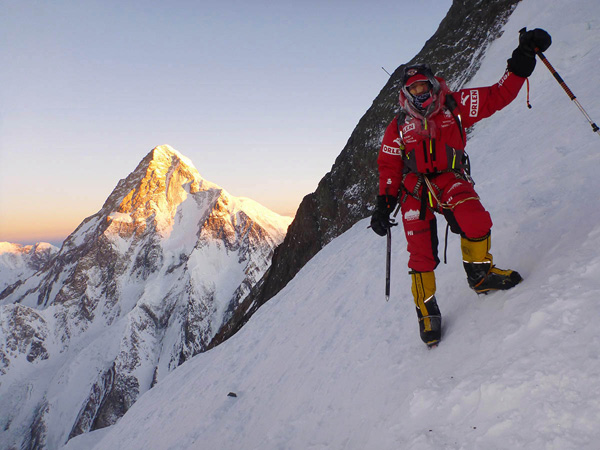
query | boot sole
(488,290)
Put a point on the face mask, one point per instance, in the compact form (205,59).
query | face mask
(422,101)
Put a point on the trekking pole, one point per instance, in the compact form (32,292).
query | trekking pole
(567,90)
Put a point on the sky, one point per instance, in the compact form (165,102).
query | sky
(262,96)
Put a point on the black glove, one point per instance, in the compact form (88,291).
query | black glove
(522,61)
(380,220)
(534,41)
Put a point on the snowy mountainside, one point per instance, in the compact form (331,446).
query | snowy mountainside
(327,363)
(136,289)
(18,262)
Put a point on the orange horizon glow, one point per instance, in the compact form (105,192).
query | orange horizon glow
(26,226)
(30,227)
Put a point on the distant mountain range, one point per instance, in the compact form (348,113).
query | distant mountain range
(137,289)
(18,262)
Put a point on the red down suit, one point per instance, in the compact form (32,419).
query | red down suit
(423,162)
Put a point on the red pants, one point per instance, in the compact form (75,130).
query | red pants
(468,218)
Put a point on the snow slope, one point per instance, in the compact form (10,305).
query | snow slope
(328,364)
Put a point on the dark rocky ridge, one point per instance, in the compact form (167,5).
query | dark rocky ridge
(347,193)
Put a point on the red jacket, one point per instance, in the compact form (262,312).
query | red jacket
(437,144)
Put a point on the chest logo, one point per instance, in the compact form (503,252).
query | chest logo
(409,127)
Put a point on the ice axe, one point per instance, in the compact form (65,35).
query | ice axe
(388,257)
(388,263)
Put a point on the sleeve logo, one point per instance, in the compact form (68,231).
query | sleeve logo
(503,79)
(391,150)
(464,98)
(474,103)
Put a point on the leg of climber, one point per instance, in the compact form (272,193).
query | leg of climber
(422,246)
(483,276)
(430,319)
(474,224)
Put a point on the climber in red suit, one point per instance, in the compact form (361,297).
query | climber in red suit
(423,165)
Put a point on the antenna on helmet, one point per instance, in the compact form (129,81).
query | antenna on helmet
(386,71)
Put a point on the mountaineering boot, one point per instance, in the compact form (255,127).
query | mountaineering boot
(482,275)
(430,319)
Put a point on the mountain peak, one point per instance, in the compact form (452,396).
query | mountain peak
(163,161)
(162,181)
(165,152)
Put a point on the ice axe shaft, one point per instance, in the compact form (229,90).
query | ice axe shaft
(568,91)
(388,264)
(388,256)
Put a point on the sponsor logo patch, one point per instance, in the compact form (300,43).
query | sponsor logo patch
(411,214)
(414,233)
(474,103)
(409,127)
(455,185)
(448,122)
(503,79)
(391,150)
